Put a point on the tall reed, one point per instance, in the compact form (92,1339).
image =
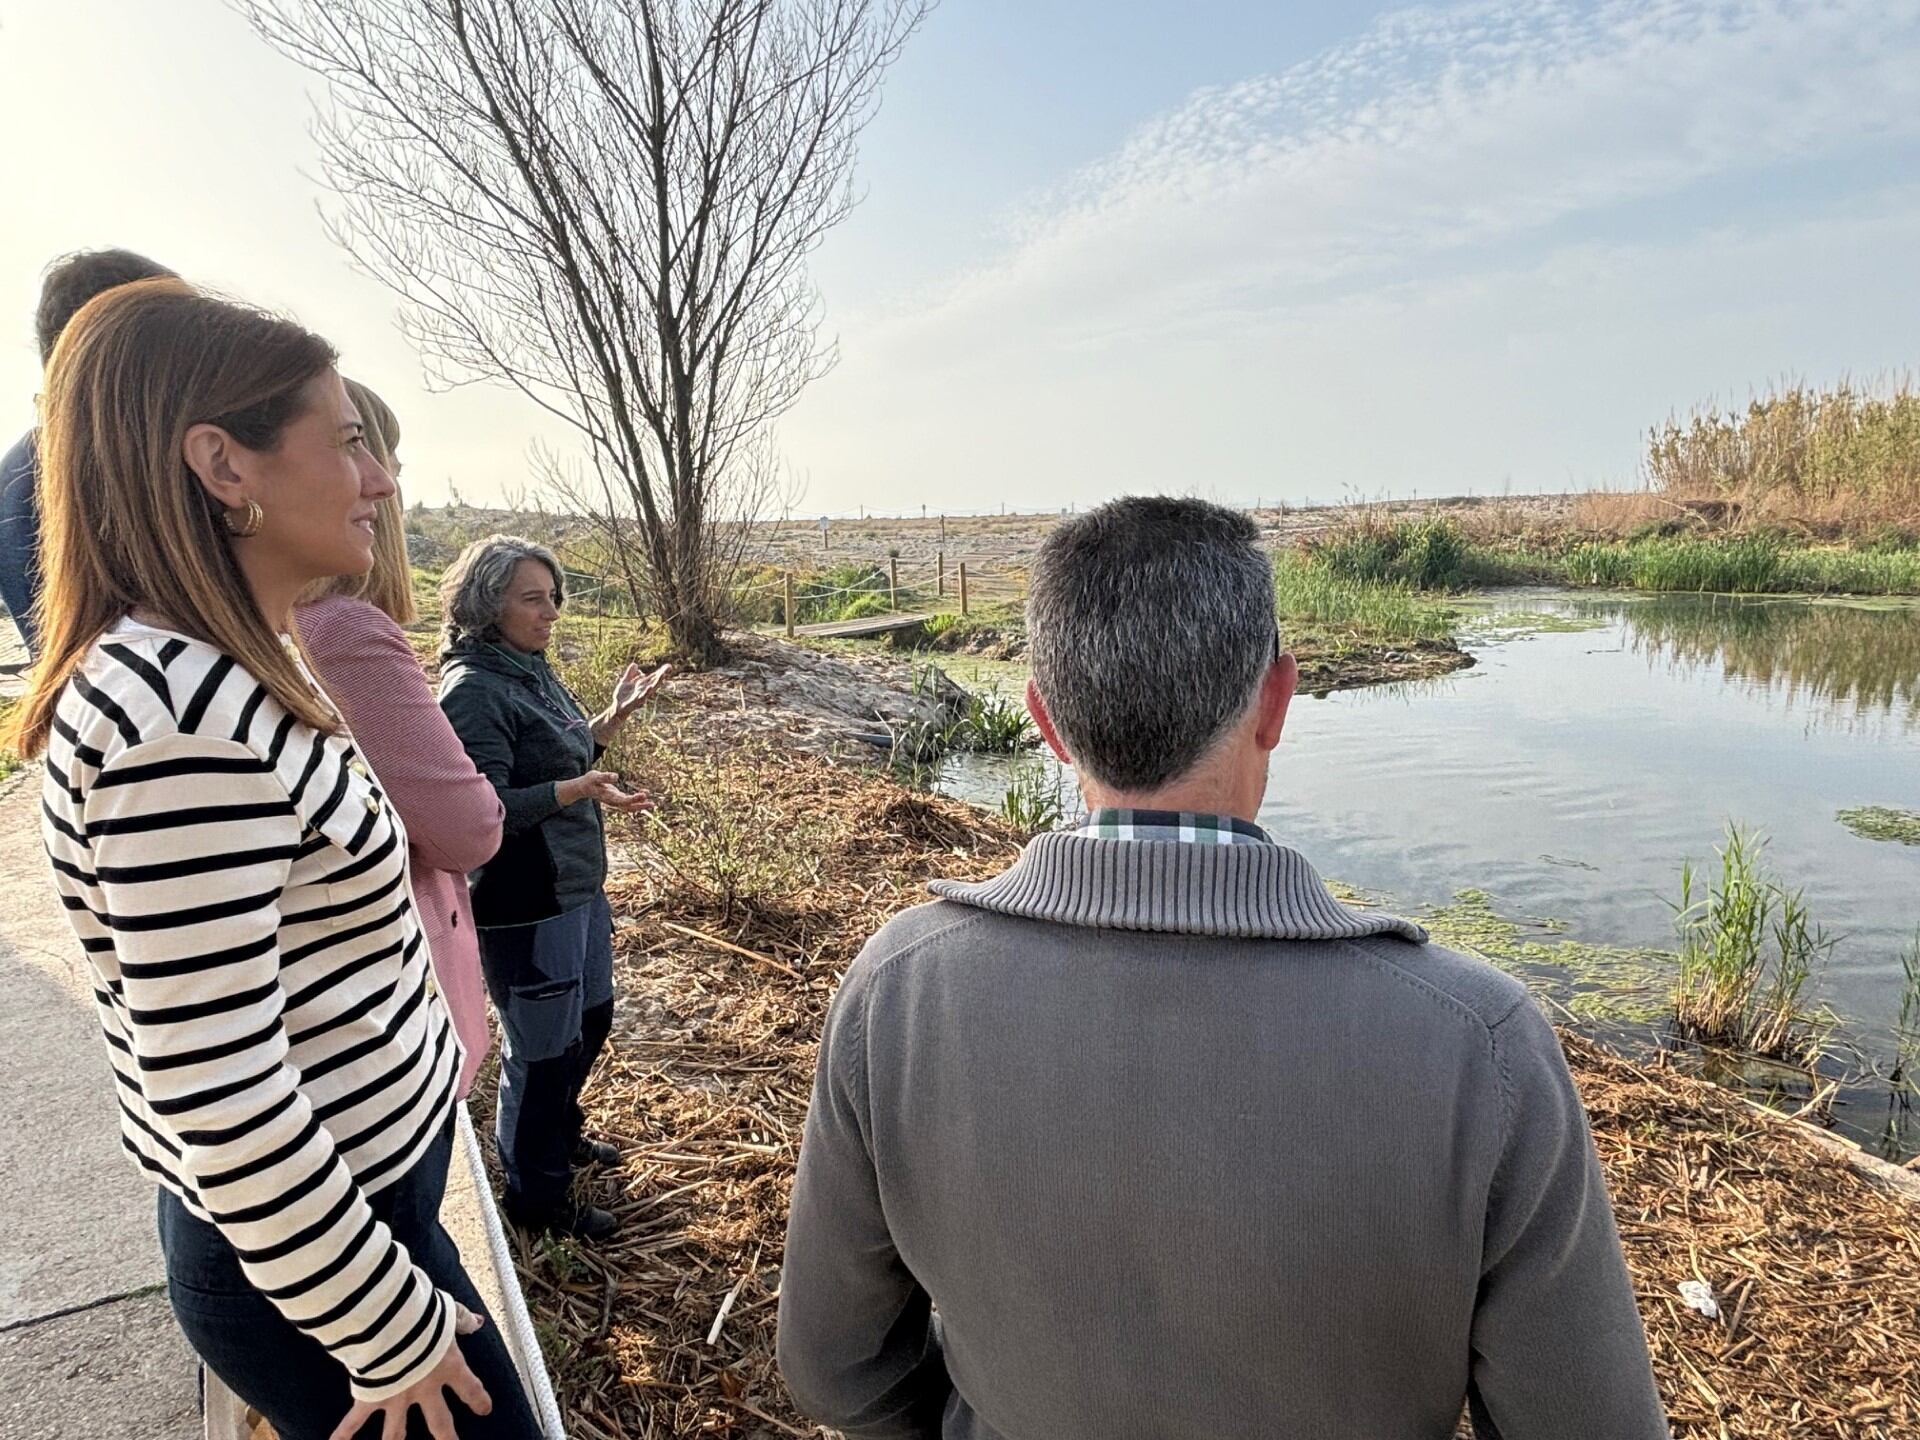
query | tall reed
(1798,450)
(1748,947)
(1906,1030)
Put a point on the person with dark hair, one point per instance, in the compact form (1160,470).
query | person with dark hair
(1151,1136)
(70,282)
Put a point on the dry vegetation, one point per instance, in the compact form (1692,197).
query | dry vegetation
(1836,462)
(668,1332)
(706,1083)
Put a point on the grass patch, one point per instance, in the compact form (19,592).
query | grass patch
(848,591)
(1883,822)
(1739,565)
(1307,590)
(1748,947)
(9,762)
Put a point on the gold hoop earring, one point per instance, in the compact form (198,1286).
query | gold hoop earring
(256,517)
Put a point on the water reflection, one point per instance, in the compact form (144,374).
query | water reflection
(1599,742)
(1855,660)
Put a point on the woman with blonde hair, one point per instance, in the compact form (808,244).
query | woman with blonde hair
(237,877)
(350,631)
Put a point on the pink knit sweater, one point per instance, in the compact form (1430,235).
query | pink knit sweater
(451,813)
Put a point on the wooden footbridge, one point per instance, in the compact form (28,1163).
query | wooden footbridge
(864,628)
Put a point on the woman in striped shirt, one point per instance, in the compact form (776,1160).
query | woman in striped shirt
(238,879)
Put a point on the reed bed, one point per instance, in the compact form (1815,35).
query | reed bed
(668,1331)
(1851,451)
(1307,590)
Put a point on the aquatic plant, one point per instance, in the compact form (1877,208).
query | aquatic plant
(1883,822)
(1608,983)
(1906,1030)
(997,724)
(1607,566)
(1036,799)
(1748,947)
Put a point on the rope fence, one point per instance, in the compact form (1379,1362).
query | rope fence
(889,586)
(785,593)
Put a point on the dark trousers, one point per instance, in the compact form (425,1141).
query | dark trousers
(552,983)
(286,1374)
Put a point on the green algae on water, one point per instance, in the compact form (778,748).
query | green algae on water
(1497,625)
(1609,983)
(1883,822)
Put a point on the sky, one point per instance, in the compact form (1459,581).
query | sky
(1237,249)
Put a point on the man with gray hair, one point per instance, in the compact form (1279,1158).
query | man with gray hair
(1150,1136)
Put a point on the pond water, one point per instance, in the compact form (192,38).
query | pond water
(1599,741)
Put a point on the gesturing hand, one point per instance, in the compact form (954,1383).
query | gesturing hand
(604,786)
(452,1373)
(633,689)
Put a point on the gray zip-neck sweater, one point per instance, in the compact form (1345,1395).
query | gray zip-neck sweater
(1181,1148)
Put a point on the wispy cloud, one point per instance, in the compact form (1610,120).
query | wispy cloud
(1445,130)
(1446,149)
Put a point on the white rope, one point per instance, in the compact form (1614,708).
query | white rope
(517,1324)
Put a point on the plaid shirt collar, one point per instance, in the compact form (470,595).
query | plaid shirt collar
(1173,825)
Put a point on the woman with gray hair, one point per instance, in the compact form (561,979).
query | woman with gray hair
(539,905)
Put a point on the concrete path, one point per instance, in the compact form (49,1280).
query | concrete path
(88,1348)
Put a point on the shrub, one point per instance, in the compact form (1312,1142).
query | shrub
(859,607)
(727,843)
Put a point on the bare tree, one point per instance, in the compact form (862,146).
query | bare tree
(608,204)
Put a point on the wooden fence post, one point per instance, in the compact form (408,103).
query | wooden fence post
(893,582)
(789,590)
(940,562)
(943,531)
(963,587)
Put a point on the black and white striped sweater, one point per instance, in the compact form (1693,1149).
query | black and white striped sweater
(239,884)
